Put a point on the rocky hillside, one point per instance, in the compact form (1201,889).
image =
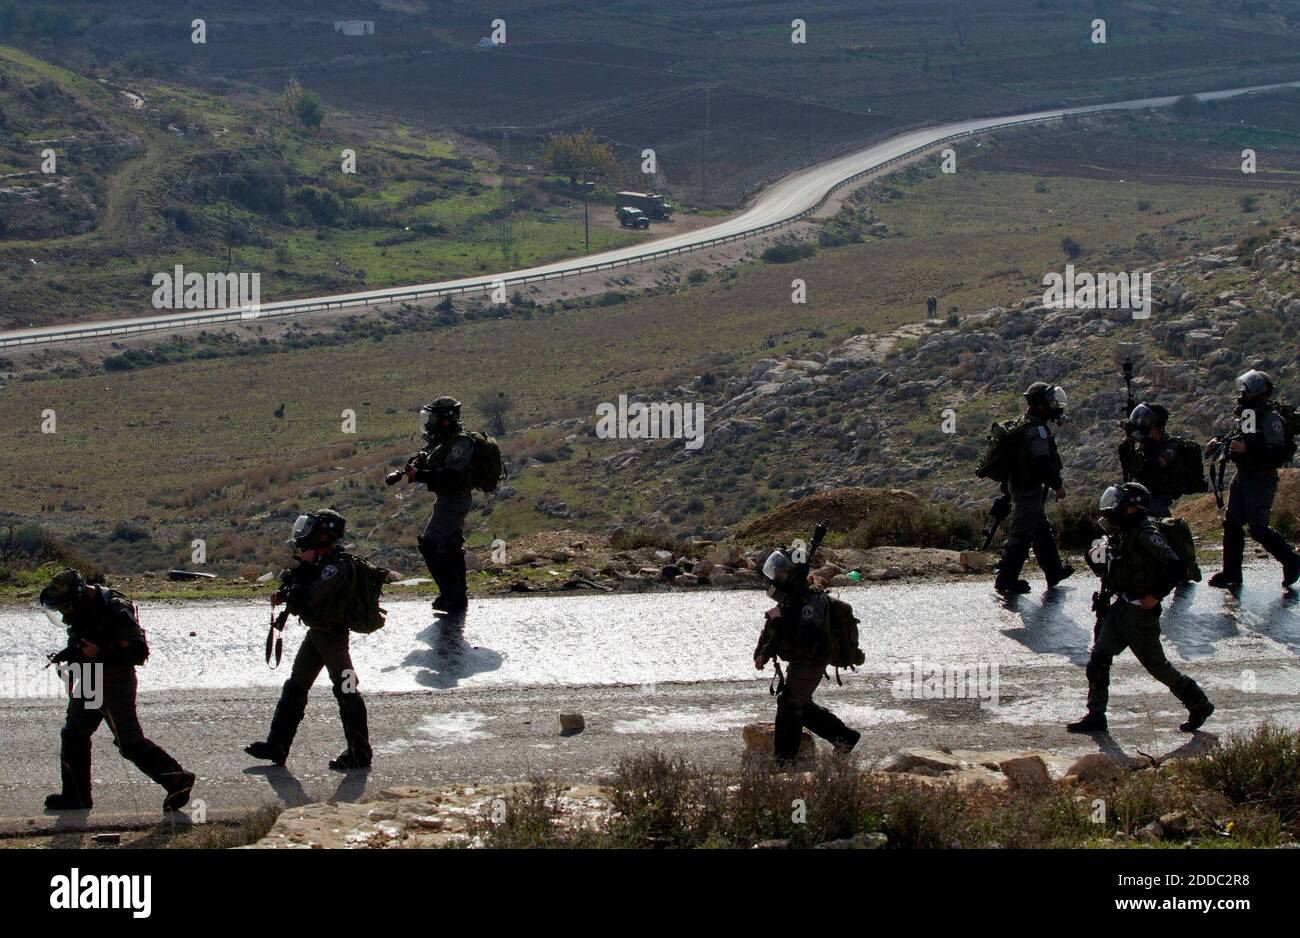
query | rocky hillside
(871,411)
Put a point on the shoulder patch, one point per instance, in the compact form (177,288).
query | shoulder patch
(329,571)
(1155,539)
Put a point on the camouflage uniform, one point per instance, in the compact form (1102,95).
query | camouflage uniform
(1250,497)
(795,631)
(1143,564)
(1144,463)
(318,594)
(107,619)
(444,469)
(1036,465)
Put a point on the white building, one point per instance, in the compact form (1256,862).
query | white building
(355,27)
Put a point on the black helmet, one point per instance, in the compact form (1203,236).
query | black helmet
(440,418)
(1048,395)
(1253,385)
(784,573)
(1146,416)
(63,591)
(1116,501)
(317,528)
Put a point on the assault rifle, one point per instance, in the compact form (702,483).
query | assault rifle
(275,634)
(997,514)
(1219,454)
(415,462)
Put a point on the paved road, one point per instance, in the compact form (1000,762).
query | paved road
(783,200)
(481,702)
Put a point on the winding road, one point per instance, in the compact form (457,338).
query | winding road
(788,200)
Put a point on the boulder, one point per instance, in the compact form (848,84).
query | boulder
(571,723)
(1096,767)
(1025,771)
(759,741)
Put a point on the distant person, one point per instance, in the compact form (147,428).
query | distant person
(1148,455)
(1265,442)
(104,633)
(444,467)
(1138,568)
(932,307)
(799,631)
(318,590)
(1029,466)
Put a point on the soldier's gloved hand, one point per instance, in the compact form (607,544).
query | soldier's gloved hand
(89,649)
(1060,494)
(1237,446)
(277,598)
(410,472)
(760,662)
(1149,602)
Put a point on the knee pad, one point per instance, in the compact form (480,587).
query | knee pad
(294,691)
(1261,532)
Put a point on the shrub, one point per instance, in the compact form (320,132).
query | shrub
(1261,766)
(788,251)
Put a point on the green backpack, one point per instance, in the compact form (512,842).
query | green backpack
(486,467)
(362,608)
(1189,468)
(1292,418)
(843,634)
(999,451)
(1178,535)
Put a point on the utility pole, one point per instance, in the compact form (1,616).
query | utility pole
(704,148)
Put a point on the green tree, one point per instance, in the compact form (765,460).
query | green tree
(575,154)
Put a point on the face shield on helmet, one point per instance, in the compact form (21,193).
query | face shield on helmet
(782,573)
(437,420)
(1253,384)
(1143,418)
(303,529)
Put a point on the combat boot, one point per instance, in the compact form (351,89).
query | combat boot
(178,794)
(1091,723)
(62,802)
(1234,551)
(1197,714)
(844,745)
(1063,573)
(1019,587)
(267,751)
(1224,580)
(1291,571)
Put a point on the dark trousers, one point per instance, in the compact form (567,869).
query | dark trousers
(796,711)
(322,649)
(442,544)
(117,708)
(1250,505)
(1029,528)
(1127,626)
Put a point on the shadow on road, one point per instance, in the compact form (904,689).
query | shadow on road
(449,659)
(1047,627)
(1195,633)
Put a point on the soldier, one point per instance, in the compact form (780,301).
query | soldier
(932,307)
(1138,569)
(1035,468)
(1264,444)
(1149,452)
(443,467)
(317,591)
(795,630)
(104,632)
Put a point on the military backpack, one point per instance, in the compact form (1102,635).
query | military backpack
(1000,450)
(842,626)
(1291,418)
(1178,535)
(362,608)
(1188,470)
(486,467)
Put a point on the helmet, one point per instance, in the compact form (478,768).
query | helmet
(1116,501)
(1254,384)
(62,592)
(1048,395)
(783,573)
(1146,416)
(317,528)
(440,418)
